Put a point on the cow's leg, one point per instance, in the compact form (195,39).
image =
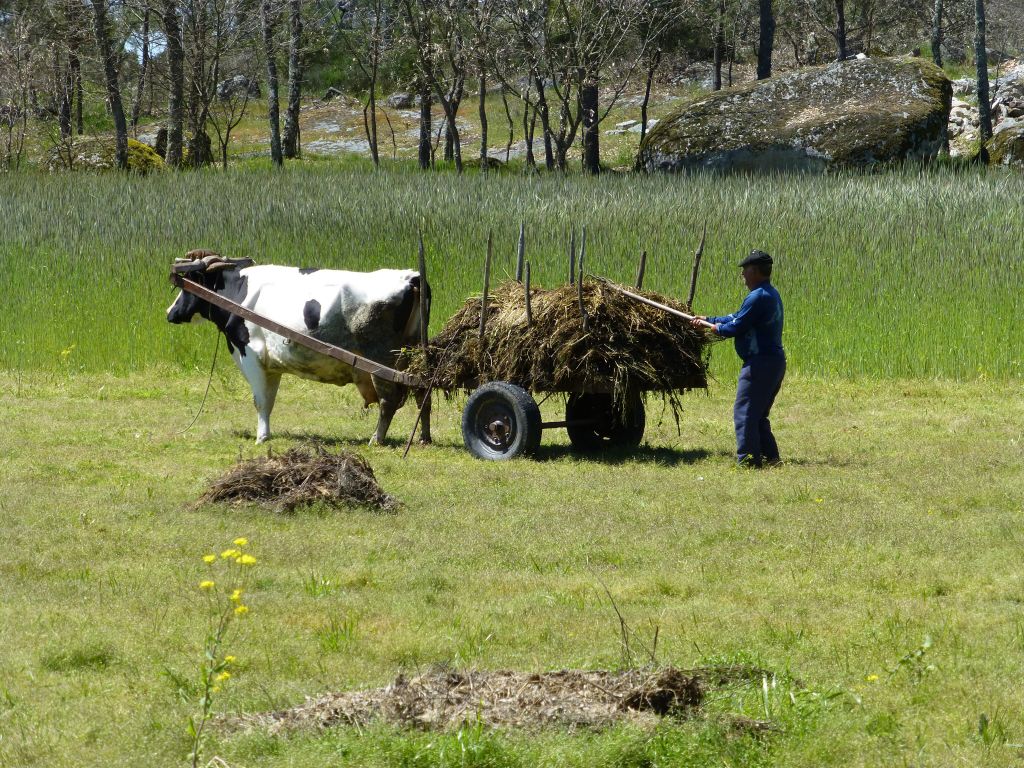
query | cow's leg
(423,402)
(390,396)
(264,387)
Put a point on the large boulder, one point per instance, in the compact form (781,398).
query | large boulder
(99,153)
(848,114)
(1006,146)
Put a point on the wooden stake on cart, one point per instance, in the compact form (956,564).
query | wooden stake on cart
(572,256)
(579,285)
(425,405)
(521,252)
(696,267)
(640,271)
(529,307)
(487,284)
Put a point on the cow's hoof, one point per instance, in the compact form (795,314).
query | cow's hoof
(426,441)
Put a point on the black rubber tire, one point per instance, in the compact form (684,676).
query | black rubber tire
(615,427)
(501,421)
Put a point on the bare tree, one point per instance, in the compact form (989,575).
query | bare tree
(291,142)
(427,21)
(18,59)
(368,39)
(268,16)
(176,83)
(981,64)
(766,39)
(106,49)
(143,70)
(937,33)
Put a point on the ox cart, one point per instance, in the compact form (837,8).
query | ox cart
(501,419)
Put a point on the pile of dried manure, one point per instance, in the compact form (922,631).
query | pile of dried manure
(299,477)
(623,346)
(444,699)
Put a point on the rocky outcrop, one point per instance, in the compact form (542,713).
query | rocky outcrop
(98,153)
(848,114)
(1007,145)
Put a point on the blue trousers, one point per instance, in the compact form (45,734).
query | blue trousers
(760,381)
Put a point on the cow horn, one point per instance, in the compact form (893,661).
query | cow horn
(217,266)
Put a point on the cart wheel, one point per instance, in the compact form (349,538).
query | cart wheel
(501,421)
(609,427)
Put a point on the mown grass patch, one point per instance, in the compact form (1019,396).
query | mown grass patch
(896,520)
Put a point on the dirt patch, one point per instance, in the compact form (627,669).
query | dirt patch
(299,477)
(445,699)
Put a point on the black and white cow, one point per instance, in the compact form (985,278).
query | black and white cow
(373,314)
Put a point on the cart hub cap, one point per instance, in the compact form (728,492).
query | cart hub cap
(497,431)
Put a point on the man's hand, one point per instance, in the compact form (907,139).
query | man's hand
(701,321)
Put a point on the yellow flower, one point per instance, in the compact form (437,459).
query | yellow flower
(871,678)
(818,501)
(206,584)
(215,689)
(229,659)
(236,596)
(241,610)
(246,560)
(222,677)
(241,541)
(230,553)
(209,558)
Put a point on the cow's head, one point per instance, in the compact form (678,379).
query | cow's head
(218,274)
(211,271)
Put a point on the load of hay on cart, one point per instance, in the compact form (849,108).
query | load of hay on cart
(601,346)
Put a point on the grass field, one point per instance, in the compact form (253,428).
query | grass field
(896,520)
(876,576)
(905,274)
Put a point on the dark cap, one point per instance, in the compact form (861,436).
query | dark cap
(760,258)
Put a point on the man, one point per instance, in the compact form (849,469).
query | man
(757,332)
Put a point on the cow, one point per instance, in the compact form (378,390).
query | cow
(373,314)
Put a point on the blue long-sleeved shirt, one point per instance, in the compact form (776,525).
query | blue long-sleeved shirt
(756,329)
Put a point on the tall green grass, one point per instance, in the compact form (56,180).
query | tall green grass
(899,274)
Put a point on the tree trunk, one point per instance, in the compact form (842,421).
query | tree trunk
(766,41)
(529,123)
(840,31)
(272,85)
(483,120)
(143,68)
(76,78)
(981,62)
(291,116)
(425,127)
(65,88)
(451,134)
(655,61)
(99,9)
(176,87)
(591,134)
(545,124)
(937,33)
(716,78)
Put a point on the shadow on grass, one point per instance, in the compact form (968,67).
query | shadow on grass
(645,454)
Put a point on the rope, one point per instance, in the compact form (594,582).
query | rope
(209,381)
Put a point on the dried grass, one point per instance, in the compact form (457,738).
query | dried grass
(299,477)
(622,347)
(445,699)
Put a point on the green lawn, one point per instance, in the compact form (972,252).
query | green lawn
(896,519)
